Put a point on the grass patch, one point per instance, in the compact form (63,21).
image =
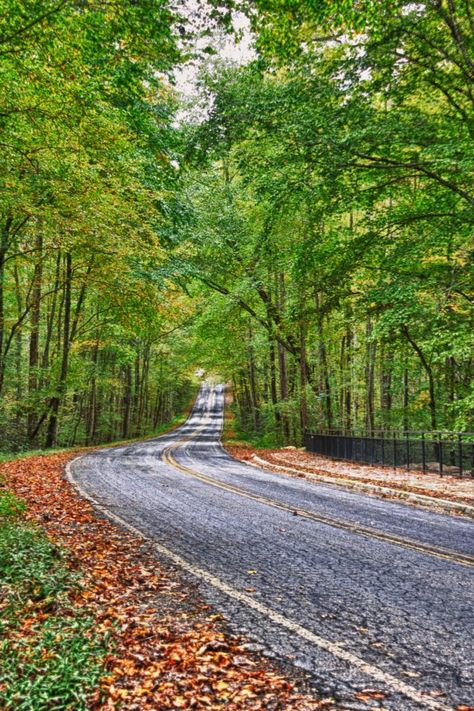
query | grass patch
(242,439)
(233,436)
(165,427)
(52,657)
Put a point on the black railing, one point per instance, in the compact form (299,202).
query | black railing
(442,452)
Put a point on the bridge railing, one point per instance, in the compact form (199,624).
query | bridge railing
(447,453)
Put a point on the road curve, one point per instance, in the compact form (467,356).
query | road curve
(357,591)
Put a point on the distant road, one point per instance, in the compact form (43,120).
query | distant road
(361,593)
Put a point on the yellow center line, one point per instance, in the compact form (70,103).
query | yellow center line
(168,458)
(334,648)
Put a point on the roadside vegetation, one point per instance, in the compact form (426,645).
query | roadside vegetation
(52,656)
(176,421)
(87,321)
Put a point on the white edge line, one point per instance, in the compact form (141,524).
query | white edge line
(326,645)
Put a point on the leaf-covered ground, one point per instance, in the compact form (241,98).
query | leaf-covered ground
(430,484)
(166,649)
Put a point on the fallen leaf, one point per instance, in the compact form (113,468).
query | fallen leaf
(368,694)
(165,655)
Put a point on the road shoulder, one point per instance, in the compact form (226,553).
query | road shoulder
(441,494)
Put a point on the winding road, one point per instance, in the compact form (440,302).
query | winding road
(359,592)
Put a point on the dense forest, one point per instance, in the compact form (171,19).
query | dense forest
(301,228)
(86,170)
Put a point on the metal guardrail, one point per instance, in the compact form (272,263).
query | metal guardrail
(447,453)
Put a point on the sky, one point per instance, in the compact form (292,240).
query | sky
(226,46)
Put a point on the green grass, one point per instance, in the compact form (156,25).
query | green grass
(241,439)
(233,436)
(178,420)
(51,656)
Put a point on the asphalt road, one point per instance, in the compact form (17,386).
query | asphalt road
(357,591)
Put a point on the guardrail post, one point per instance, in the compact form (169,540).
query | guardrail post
(440,455)
(460,454)
(407,449)
(394,451)
(383,448)
(423,452)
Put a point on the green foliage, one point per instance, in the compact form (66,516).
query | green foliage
(59,669)
(30,563)
(333,211)
(59,662)
(11,508)
(310,239)
(87,180)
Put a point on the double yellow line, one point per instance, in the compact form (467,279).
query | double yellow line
(425,548)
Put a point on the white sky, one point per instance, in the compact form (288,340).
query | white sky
(227,48)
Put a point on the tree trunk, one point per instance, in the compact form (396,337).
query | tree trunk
(303,381)
(369,377)
(451,386)
(127,402)
(273,383)
(33,375)
(52,431)
(406,397)
(429,372)
(19,348)
(254,400)
(282,356)
(386,366)
(4,242)
(346,368)
(51,316)
(92,412)
(323,366)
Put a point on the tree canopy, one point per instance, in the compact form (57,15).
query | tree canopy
(308,239)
